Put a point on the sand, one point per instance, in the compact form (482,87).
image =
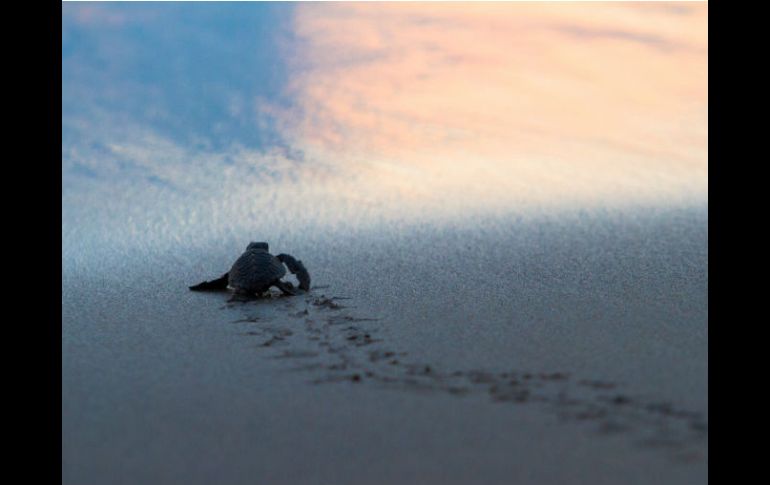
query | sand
(569,351)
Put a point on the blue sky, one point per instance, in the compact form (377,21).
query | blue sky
(188,71)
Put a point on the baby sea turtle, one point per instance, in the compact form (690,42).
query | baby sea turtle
(256,271)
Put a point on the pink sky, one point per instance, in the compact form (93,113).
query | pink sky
(505,101)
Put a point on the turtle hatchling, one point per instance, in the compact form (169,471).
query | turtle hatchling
(256,270)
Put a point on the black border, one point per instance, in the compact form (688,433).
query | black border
(55,124)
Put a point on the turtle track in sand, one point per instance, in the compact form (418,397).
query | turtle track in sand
(321,337)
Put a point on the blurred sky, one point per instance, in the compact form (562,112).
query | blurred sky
(397,110)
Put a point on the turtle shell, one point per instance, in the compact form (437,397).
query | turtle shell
(255,270)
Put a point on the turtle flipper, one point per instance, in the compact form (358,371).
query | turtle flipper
(242,296)
(213,285)
(286,287)
(297,268)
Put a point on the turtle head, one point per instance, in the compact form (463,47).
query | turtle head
(257,245)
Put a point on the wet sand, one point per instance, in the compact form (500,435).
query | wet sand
(572,350)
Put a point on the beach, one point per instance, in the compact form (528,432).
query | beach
(163,384)
(509,272)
